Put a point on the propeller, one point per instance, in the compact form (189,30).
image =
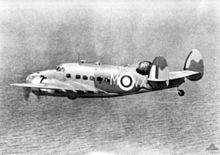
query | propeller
(38,98)
(26,93)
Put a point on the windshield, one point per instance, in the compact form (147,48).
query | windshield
(59,68)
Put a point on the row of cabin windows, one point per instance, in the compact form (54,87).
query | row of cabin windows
(92,78)
(84,77)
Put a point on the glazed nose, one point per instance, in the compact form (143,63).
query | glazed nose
(30,78)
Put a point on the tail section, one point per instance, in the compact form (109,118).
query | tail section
(159,73)
(194,62)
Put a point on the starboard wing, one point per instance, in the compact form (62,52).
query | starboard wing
(44,86)
(71,86)
(84,87)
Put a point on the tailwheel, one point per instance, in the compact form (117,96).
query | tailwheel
(181,92)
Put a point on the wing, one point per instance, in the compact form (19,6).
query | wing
(60,85)
(181,74)
(84,87)
(43,86)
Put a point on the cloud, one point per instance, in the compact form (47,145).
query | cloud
(40,35)
(100,153)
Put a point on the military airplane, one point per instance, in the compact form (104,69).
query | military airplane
(81,79)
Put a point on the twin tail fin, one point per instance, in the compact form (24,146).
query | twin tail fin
(159,73)
(194,62)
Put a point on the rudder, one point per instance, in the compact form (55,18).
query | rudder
(194,62)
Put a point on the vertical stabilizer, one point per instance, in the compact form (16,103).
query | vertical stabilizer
(194,62)
(159,73)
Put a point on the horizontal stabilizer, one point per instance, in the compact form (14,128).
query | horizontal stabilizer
(181,74)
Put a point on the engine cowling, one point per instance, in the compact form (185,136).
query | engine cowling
(144,67)
(71,95)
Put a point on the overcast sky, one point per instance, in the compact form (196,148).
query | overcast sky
(46,33)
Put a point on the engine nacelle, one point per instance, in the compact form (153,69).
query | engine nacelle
(144,67)
(71,95)
(49,92)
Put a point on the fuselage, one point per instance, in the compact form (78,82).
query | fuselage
(115,80)
(110,80)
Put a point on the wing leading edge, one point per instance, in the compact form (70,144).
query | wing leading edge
(73,86)
(43,86)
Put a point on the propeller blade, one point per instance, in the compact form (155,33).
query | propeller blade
(26,93)
(38,98)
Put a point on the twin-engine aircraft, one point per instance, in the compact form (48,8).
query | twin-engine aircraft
(73,80)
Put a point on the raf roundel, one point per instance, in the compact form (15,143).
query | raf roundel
(126,82)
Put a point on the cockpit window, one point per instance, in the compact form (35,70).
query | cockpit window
(57,68)
(60,69)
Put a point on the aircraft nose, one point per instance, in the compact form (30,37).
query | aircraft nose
(40,75)
(29,78)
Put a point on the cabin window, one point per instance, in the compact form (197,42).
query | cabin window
(99,79)
(92,78)
(107,80)
(68,75)
(85,77)
(78,76)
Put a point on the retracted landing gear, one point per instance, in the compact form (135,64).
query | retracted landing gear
(181,92)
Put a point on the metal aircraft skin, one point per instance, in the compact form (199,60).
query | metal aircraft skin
(82,79)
